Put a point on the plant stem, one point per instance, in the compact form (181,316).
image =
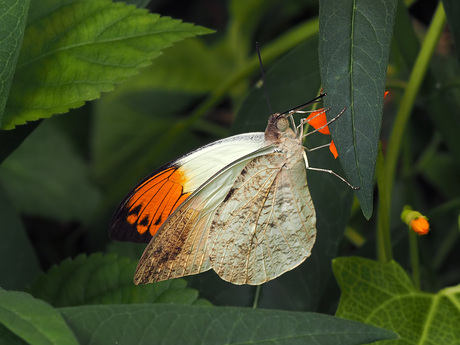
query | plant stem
(413,246)
(384,251)
(256,297)
(417,75)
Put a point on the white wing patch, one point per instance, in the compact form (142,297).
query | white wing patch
(206,161)
(266,226)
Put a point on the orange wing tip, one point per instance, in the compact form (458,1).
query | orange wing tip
(318,119)
(385,93)
(333,149)
(149,205)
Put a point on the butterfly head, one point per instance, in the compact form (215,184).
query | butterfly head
(278,126)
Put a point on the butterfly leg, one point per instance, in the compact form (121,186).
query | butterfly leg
(317,147)
(308,167)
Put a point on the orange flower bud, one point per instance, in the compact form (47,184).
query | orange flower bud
(416,221)
(420,225)
(333,149)
(318,119)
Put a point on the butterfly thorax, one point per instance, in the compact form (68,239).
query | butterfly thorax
(280,134)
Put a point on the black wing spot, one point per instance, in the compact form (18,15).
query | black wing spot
(136,210)
(229,194)
(144,221)
(158,221)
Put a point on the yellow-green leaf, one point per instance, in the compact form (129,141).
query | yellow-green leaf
(381,294)
(75,49)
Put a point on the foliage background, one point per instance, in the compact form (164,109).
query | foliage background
(60,186)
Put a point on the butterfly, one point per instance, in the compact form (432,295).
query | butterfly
(240,206)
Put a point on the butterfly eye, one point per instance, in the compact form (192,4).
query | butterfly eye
(282,123)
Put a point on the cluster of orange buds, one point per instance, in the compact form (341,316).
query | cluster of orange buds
(415,220)
(317,119)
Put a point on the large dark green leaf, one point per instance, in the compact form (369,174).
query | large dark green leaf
(354,47)
(174,324)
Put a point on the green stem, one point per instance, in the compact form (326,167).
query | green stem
(384,251)
(416,78)
(256,297)
(413,245)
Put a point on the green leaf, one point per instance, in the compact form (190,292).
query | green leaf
(354,47)
(17,267)
(12,21)
(46,177)
(381,294)
(75,49)
(174,324)
(33,320)
(105,279)
(295,80)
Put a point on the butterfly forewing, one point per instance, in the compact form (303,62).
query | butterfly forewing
(154,199)
(180,246)
(267,226)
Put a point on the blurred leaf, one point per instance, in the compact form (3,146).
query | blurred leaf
(10,140)
(354,48)
(174,324)
(73,50)
(292,81)
(131,121)
(17,267)
(33,320)
(443,103)
(129,250)
(127,136)
(46,177)
(105,279)
(452,9)
(12,21)
(187,67)
(381,294)
(244,19)
(442,171)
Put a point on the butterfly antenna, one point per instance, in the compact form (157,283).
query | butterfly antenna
(263,78)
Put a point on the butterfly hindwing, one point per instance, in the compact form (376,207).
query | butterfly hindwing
(267,224)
